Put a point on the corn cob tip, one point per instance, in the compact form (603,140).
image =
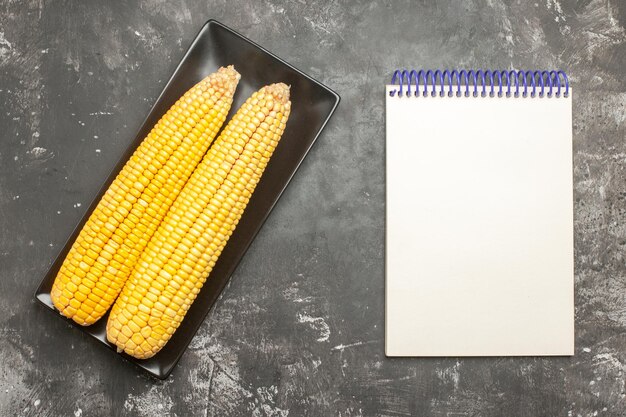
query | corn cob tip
(225,79)
(280,92)
(229,74)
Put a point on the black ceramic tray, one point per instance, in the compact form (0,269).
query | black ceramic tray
(312,106)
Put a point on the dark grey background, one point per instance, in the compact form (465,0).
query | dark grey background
(299,331)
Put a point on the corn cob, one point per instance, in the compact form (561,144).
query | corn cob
(183,251)
(107,248)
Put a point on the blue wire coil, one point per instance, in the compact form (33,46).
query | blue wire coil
(479,82)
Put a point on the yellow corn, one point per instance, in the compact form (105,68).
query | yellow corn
(189,241)
(109,245)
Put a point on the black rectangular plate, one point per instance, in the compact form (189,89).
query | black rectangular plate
(312,106)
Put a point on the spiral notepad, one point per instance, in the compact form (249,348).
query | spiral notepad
(479,215)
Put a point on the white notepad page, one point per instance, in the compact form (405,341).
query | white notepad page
(479,232)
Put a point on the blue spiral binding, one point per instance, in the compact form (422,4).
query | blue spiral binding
(473,80)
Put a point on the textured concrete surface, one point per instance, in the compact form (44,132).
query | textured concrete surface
(299,331)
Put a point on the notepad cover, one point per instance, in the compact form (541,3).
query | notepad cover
(479,226)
